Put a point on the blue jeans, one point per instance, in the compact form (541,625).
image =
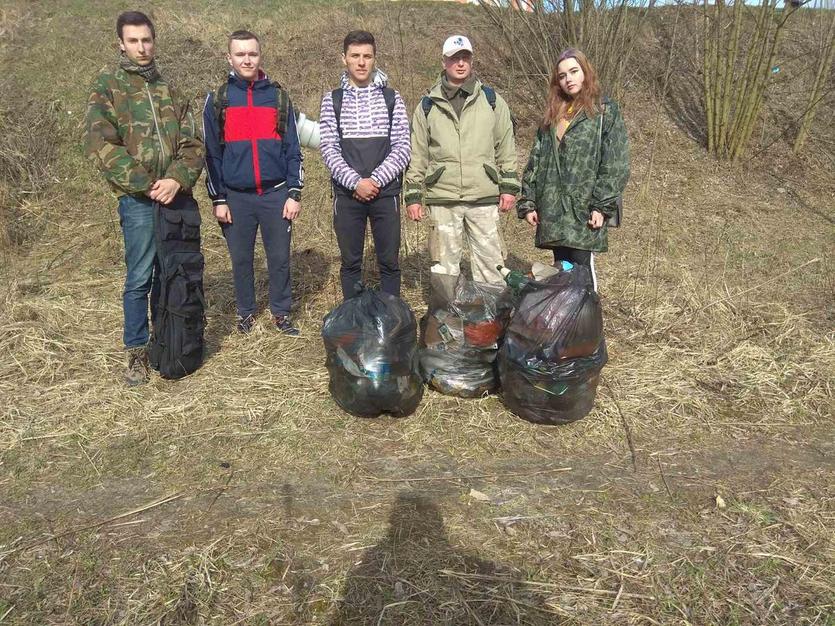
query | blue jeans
(136,216)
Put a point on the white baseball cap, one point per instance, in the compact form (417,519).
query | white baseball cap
(456,43)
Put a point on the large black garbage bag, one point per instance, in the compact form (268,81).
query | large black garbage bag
(550,361)
(460,335)
(370,341)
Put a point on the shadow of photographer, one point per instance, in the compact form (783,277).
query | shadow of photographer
(414,575)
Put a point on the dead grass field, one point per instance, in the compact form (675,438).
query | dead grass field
(699,491)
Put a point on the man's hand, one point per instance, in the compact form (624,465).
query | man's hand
(366,190)
(506,202)
(291,209)
(532,218)
(222,213)
(164,190)
(596,219)
(415,211)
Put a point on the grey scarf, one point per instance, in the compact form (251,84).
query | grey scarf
(148,72)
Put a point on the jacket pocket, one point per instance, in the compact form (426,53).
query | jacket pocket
(434,177)
(492,174)
(271,161)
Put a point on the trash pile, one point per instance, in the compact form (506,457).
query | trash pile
(370,341)
(460,335)
(550,361)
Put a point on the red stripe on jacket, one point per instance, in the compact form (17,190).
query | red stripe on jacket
(251,123)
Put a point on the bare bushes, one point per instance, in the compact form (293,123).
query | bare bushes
(738,58)
(28,149)
(536,31)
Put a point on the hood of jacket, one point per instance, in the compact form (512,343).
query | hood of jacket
(379,80)
(243,83)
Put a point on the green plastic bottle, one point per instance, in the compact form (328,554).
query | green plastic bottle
(515,279)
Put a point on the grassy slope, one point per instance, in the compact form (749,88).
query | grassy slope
(284,503)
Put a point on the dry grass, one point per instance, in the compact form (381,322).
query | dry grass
(289,511)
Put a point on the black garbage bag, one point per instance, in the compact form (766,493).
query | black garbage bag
(554,350)
(370,341)
(460,335)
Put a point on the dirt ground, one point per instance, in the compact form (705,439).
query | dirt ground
(707,535)
(698,491)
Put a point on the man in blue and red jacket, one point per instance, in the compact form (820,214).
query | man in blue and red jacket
(254,176)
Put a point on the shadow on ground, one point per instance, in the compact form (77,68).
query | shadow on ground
(414,575)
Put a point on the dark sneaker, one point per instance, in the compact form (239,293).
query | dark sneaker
(244,324)
(138,371)
(284,325)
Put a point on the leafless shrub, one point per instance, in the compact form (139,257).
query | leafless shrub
(536,31)
(28,150)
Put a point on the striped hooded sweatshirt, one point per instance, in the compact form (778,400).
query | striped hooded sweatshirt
(366,147)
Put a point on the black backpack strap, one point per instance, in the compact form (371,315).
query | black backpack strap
(282,106)
(426,104)
(389,96)
(220,103)
(336,96)
(490,94)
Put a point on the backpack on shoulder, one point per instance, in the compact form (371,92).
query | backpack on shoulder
(336,97)
(426,103)
(220,102)
(176,348)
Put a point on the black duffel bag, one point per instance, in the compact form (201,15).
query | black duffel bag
(176,348)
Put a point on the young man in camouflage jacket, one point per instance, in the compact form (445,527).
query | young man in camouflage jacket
(143,139)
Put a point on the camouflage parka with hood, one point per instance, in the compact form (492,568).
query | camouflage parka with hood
(565,180)
(138,132)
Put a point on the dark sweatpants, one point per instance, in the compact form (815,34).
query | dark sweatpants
(249,211)
(349,220)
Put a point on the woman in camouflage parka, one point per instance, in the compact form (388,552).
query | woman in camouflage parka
(578,166)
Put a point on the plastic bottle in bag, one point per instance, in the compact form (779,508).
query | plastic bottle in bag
(371,346)
(461,333)
(550,362)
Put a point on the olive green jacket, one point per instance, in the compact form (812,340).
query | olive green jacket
(466,160)
(565,180)
(137,132)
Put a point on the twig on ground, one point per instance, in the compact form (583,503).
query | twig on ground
(471,477)
(664,478)
(78,529)
(534,583)
(626,427)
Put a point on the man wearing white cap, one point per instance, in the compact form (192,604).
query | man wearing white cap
(466,174)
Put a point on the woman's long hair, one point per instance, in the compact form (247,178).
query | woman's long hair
(588,98)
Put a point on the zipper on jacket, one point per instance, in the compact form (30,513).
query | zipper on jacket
(256,167)
(156,127)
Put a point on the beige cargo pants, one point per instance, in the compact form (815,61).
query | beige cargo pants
(477,225)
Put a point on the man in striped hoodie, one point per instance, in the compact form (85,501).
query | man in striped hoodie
(365,145)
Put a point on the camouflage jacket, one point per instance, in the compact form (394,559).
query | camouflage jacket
(138,132)
(565,180)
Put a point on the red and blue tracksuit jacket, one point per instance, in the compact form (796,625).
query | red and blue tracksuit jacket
(254,157)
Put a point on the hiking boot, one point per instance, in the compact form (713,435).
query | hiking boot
(244,324)
(284,325)
(138,371)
